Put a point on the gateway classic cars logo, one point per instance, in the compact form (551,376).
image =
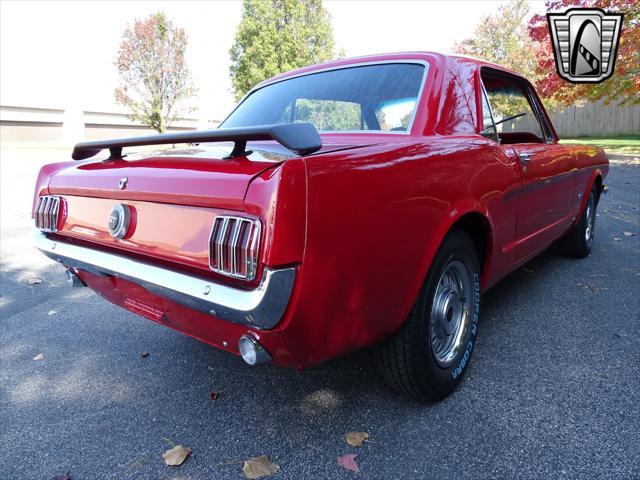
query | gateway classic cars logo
(585,43)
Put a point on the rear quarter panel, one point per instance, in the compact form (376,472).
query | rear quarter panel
(590,163)
(376,217)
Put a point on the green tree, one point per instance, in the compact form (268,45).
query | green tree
(154,77)
(502,38)
(278,35)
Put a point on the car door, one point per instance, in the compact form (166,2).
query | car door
(544,200)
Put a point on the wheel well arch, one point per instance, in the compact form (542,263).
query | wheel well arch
(478,228)
(598,183)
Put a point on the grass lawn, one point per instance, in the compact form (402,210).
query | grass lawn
(628,144)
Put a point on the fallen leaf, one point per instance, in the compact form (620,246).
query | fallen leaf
(144,354)
(34,280)
(259,467)
(213,395)
(51,312)
(177,455)
(39,356)
(355,439)
(629,234)
(348,461)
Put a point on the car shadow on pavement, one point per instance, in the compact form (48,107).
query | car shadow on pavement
(351,381)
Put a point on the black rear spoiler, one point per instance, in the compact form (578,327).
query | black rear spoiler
(301,138)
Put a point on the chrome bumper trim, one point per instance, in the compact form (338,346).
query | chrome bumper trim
(262,307)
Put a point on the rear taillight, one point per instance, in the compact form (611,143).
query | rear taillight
(233,246)
(47,213)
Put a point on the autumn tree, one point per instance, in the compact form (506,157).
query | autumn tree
(278,35)
(623,86)
(154,77)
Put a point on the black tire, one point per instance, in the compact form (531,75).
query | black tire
(409,359)
(578,241)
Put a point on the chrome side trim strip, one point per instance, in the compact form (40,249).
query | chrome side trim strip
(260,308)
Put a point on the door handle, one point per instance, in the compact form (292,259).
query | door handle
(525,157)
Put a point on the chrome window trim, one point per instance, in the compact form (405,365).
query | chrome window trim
(408,132)
(261,308)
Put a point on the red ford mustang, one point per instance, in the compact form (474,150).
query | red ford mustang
(358,202)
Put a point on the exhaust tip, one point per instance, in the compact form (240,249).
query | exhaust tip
(251,351)
(73,280)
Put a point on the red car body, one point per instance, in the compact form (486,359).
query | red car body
(357,222)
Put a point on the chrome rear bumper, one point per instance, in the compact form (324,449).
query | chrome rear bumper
(262,307)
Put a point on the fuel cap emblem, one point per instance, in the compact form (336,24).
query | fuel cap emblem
(119,220)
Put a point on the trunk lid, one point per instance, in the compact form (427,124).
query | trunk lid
(197,176)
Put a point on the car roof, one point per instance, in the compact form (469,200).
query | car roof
(434,57)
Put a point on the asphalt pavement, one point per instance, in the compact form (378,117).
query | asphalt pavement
(553,389)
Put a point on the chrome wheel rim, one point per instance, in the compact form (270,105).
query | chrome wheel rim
(450,313)
(588,231)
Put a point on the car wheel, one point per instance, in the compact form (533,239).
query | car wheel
(577,242)
(427,357)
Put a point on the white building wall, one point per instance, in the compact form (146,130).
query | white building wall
(24,125)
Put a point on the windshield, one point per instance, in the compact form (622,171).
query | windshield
(373,97)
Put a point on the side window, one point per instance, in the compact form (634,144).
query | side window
(514,117)
(488,126)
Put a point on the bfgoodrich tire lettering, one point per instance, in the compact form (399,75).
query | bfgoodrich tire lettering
(412,360)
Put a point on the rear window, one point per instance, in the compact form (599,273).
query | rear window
(373,97)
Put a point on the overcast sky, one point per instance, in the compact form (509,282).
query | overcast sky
(61,54)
